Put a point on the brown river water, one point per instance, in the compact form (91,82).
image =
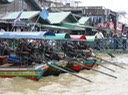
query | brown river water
(67,84)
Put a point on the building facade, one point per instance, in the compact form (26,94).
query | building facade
(18,5)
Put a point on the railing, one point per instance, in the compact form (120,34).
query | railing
(109,46)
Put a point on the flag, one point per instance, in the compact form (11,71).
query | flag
(18,17)
(44,13)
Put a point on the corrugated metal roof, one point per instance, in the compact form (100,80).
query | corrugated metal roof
(55,27)
(58,17)
(65,26)
(83,20)
(73,26)
(76,26)
(24,15)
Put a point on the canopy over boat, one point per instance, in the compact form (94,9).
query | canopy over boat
(90,38)
(59,36)
(63,36)
(25,35)
(78,37)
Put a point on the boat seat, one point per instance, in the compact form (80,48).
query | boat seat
(14,59)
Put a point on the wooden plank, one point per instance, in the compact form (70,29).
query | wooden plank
(5,65)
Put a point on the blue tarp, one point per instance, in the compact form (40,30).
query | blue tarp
(25,35)
(14,59)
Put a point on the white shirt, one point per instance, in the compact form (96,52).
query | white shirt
(124,36)
(99,35)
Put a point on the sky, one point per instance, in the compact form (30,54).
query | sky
(115,5)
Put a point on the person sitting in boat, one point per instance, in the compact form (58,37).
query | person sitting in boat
(26,51)
(34,54)
(31,46)
(70,51)
(46,50)
(1,48)
(89,57)
(64,47)
(81,45)
(22,47)
(89,53)
(6,48)
(50,54)
(22,51)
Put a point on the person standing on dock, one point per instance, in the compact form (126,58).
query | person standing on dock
(115,40)
(124,41)
(99,38)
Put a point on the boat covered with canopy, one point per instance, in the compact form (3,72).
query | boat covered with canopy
(26,35)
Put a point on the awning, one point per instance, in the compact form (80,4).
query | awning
(59,17)
(75,26)
(25,15)
(55,27)
(78,37)
(25,35)
(105,29)
(72,26)
(65,26)
(20,24)
(83,20)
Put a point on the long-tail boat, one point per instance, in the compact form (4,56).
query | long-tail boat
(54,71)
(73,62)
(88,62)
(13,66)
(61,63)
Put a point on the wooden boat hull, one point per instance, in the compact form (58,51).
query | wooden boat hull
(89,63)
(86,64)
(51,71)
(74,66)
(54,71)
(28,73)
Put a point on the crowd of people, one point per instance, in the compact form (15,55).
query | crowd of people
(76,50)
(115,40)
(33,50)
